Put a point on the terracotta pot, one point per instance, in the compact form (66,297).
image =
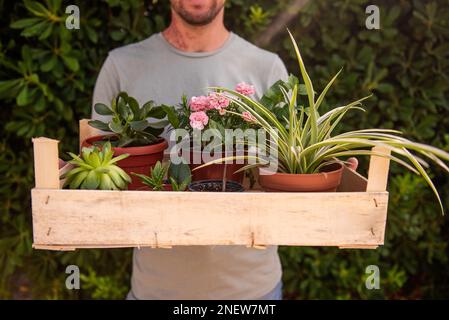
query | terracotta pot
(326,181)
(215,186)
(140,160)
(214,171)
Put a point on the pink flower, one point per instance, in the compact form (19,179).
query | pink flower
(248,117)
(200,103)
(198,120)
(222,112)
(245,89)
(218,101)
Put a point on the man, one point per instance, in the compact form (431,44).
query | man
(194,52)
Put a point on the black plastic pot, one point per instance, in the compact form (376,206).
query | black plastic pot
(215,186)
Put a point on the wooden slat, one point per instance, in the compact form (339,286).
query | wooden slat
(378,170)
(354,246)
(68,218)
(352,181)
(46,163)
(86,246)
(55,247)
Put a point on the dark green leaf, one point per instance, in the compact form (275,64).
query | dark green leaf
(159,124)
(9,88)
(36,8)
(172,116)
(99,125)
(22,98)
(102,109)
(134,105)
(156,112)
(47,32)
(35,29)
(71,63)
(116,127)
(23,23)
(180,172)
(49,64)
(139,125)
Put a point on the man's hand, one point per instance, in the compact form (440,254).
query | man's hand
(353,163)
(62,163)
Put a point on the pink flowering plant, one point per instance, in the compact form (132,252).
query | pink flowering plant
(215,111)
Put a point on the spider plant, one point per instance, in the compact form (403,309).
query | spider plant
(304,137)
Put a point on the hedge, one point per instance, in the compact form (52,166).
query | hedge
(47,76)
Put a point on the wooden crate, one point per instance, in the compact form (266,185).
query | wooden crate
(353,217)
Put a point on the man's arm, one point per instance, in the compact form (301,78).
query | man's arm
(106,88)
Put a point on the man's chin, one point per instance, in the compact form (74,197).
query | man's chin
(197,20)
(197,15)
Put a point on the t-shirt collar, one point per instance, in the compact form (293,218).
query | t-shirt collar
(226,44)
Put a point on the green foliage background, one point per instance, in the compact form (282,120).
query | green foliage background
(47,75)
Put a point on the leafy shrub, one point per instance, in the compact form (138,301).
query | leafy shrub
(47,76)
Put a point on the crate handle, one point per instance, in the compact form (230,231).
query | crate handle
(378,170)
(46,163)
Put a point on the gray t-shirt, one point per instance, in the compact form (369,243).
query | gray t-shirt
(154,70)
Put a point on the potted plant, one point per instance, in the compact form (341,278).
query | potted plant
(167,177)
(96,168)
(216,113)
(307,151)
(132,130)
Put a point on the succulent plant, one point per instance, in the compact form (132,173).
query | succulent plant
(156,178)
(178,176)
(130,122)
(96,169)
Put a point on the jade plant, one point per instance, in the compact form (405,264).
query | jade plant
(96,169)
(305,141)
(178,176)
(130,124)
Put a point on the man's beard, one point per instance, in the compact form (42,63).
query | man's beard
(196,20)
